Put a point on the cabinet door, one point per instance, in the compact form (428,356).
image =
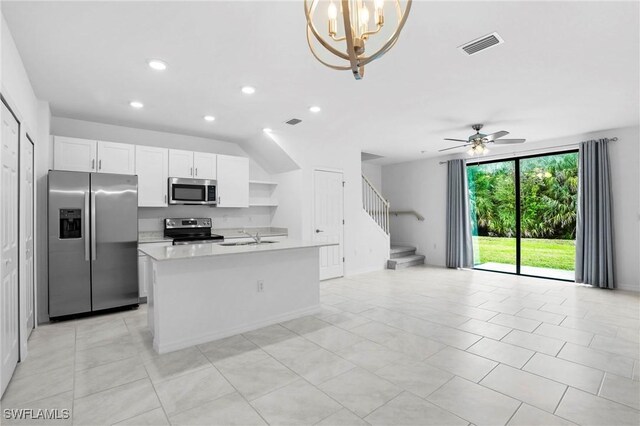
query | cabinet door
(116,158)
(204,165)
(143,261)
(233,181)
(180,163)
(152,168)
(73,154)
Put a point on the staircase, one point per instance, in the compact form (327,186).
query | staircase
(378,209)
(403,257)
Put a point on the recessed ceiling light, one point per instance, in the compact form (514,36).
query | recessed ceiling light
(157,64)
(315,108)
(136,104)
(267,130)
(248,90)
(209,117)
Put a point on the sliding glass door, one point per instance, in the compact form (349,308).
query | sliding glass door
(492,191)
(523,212)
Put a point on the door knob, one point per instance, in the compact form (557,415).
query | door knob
(318,231)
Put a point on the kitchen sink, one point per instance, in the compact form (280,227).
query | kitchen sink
(247,243)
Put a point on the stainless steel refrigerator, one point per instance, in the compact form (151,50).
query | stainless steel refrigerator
(93,237)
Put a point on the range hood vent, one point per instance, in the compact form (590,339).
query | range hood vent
(482,43)
(293,121)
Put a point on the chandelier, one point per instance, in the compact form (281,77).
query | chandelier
(348,40)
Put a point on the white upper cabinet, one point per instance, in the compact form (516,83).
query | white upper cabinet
(204,165)
(116,158)
(152,168)
(233,181)
(180,163)
(73,154)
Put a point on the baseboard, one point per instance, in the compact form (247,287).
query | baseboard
(628,287)
(365,270)
(209,337)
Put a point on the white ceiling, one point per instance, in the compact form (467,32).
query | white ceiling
(564,69)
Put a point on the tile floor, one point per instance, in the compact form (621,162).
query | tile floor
(414,346)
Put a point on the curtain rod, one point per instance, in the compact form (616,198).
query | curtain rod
(513,154)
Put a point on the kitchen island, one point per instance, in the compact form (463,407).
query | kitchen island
(204,292)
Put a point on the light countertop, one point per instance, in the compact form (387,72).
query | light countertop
(267,231)
(227,233)
(205,250)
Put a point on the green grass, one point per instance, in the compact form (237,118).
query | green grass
(556,254)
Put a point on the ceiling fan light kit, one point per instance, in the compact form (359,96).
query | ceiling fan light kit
(478,143)
(352,36)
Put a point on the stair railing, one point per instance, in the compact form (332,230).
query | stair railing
(409,212)
(375,205)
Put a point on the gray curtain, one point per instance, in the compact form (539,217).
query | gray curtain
(459,244)
(594,233)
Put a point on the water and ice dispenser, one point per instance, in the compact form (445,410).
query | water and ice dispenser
(70,223)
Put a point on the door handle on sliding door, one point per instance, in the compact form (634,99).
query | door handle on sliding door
(86,226)
(93,226)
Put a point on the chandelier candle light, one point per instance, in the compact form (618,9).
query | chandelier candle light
(349,45)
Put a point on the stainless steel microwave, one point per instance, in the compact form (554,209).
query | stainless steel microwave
(192,191)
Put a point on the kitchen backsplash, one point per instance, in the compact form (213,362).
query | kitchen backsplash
(151,219)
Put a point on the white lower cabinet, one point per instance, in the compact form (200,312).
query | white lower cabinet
(145,275)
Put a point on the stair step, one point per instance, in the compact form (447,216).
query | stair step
(405,262)
(402,251)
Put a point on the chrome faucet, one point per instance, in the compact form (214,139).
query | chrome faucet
(256,237)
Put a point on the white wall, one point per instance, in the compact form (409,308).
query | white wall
(34,116)
(150,218)
(295,197)
(373,172)
(421,185)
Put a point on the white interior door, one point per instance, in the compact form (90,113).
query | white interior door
(328,221)
(27,195)
(9,315)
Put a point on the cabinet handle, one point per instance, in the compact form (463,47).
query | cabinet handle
(93,164)
(196,171)
(191,171)
(99,164)
(165,199)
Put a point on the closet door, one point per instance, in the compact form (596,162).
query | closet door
(9,338)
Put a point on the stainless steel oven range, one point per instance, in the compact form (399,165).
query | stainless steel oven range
(190,231)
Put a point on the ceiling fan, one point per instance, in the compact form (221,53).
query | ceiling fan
(478,143)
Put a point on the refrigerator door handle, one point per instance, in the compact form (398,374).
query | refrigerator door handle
(86,227)
(93,226)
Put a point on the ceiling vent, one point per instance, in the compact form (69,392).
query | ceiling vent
(294,121)
(481,43)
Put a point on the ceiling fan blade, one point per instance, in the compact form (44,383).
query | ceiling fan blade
(509,141)
(455,147)
(496,135)
(456,140)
